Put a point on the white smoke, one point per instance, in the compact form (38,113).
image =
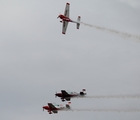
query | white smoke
(123,34)
(113,96)
(108,110)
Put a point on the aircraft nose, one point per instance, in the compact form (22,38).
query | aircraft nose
(43,108)
(56,95)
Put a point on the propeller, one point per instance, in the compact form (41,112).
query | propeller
(59,15)
(55,95)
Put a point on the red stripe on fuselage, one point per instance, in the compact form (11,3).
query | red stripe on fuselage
(64,18)
(51,109)
(61,95)
(48,108)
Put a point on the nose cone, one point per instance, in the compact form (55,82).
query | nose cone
(58,16)
(58,95)
(45,107)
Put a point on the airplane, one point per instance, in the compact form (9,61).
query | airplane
(65,19)
(54,108)
(68,95)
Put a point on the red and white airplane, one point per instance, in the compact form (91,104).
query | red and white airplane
(54,108)
(68,95)
(65,19)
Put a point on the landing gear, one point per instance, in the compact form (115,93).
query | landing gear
(62,99)
(81,93)
(50,112)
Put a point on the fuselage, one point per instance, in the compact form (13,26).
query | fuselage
(51,109)
(70,95)
(64,18)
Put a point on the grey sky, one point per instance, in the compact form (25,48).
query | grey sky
(36,60)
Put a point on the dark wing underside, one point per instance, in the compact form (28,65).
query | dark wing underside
(51,106)
(64,93)
(67,98)
(55,111)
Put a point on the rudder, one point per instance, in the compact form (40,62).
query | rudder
(78,22)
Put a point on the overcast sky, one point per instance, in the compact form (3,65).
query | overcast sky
(36,59)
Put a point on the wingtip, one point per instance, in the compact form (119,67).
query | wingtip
(68,3)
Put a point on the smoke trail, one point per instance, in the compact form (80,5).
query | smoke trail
(108,110)
(114,31)
(113,96)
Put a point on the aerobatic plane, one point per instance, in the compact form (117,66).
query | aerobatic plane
(64,95)
(54,108)
(65,19)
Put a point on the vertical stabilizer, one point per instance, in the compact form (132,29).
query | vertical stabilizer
(68,105)
(78,22)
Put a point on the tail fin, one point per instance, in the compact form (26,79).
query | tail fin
(83,92)
(78,22)
(68,105)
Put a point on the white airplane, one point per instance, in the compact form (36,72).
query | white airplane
(64,95)
(65,19)
(56,107)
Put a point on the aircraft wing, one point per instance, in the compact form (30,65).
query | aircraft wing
(67,98)
(55,111)
(51,106)
(66,12)
(64,27)
(64,93)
